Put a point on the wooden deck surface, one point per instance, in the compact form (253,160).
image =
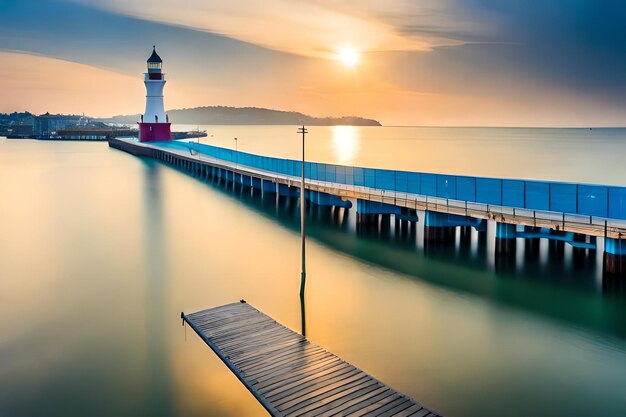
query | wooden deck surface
(288,374)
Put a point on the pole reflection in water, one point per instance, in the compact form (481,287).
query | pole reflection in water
(159,395)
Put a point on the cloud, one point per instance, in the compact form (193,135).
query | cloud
(579,45)
(428,61)
(40,84)
(316,29)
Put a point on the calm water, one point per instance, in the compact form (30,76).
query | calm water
(570,155)
(101,251)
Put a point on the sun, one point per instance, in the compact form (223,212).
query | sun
(348,57)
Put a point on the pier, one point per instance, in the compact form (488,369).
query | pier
(576,214)
(288,374)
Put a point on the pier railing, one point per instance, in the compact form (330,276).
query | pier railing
(595,210)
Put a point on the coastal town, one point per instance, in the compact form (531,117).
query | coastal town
(70,127)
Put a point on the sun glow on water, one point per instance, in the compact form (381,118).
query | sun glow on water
(345,144)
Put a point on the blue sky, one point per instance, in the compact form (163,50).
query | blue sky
(430,62)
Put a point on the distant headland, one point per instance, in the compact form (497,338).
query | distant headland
(222,115)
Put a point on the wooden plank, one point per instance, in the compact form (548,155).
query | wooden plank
(397,409)
(231,329)
(323,404)
(300,373)
(302,388)
(262,336)
(393,404)
(343,381)
(358,403)
(306,380)
(284,373)
(252,354)
(300,369)
(287,356)
(293,362)
(422,413)
(332,365)
(288,374)
(375,405)
(265,352)
(238,325)
(409,411)
(240,331)
(256,338)
(215,314)
(295,355)
(308,403)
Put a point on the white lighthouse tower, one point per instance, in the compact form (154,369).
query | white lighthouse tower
(154,125)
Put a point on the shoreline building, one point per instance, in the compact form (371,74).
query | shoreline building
(49,124)
(154,125)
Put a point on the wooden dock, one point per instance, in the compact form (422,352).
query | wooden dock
(288,374)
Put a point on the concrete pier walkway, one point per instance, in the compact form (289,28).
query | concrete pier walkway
(246,175)
(588,211)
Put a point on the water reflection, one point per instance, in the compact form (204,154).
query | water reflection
(345,144)
(80,284)
(538,275)
(158,384)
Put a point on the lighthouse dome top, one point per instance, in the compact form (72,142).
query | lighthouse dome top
(154,58)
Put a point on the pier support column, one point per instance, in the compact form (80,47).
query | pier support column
(366,222)
(579,255)
(385,225)
(287,191)
(531,244)
(268,187)
(324,199)
(466,235)
(615,257)
(556,248)
(371,214)
(437,229)
(230,176)
(441,227)
(439,235)
(246,181)
(506,235)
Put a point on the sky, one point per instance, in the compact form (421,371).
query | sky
(402,62)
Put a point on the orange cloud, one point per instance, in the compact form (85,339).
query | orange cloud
(39,84)
(299,27)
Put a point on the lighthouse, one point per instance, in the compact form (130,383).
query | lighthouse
(154,125)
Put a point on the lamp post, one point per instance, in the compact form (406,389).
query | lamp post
(236,154)
(303,131)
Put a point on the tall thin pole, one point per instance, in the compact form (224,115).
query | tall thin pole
(302,223)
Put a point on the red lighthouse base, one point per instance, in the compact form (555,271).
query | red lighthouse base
(152,132)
